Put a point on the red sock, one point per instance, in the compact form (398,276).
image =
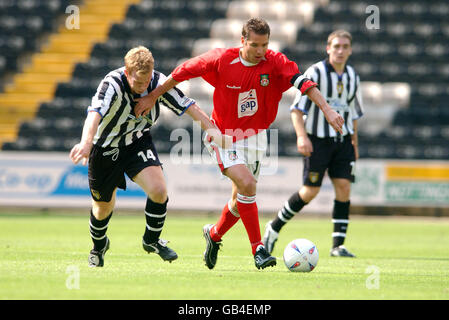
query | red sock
(226,221)
(250,217)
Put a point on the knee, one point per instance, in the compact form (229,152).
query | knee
(102,210)
(158,194)
(308,193)
(343,192)
(248,186)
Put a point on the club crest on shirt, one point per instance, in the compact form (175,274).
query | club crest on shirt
(232,154)
(313,176)
(340,87)
(264,80)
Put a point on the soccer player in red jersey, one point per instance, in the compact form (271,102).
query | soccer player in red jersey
(249,82)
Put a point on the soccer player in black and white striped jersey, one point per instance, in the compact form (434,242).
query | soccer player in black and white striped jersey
(116,141)
(323,147)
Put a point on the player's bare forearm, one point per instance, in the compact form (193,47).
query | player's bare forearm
(90,127)
(303,142)
(169,83)
(214,133)
(332,117)
(298,123)
(145,104)
(82,149)
(199,115)
(354,136)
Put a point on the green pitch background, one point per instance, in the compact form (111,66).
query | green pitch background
(45,257)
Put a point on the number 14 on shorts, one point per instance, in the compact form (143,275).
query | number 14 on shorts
(149,155)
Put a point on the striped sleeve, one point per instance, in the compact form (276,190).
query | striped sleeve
(302,101)
(303,83)
(104,97)
(174,99)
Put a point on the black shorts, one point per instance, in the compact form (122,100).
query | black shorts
(335,155)
(107,166)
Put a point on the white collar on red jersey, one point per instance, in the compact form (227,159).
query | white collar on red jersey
(244,62)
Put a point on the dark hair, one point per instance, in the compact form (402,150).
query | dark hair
(256,25)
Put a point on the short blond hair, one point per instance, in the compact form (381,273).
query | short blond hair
(339,34)
(139,60)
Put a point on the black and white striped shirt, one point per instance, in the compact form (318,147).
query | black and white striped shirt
(114,101)
(342,93)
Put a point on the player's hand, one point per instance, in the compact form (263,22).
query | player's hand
(80,151)
(144,105)
(304,146)
(335,120)
(222,140)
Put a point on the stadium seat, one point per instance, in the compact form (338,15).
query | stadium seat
(22,23)
(402,67)
(301,11)
(413,57)
(383,151)
(169,28)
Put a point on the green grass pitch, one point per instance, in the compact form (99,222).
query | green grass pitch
(45,257)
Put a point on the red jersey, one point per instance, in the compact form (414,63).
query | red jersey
(246,98)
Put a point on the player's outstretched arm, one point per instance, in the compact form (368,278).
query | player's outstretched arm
(197,114)
(332,117)
(82,149)
(145,104)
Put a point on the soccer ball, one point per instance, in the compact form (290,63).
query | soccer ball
(301,255)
